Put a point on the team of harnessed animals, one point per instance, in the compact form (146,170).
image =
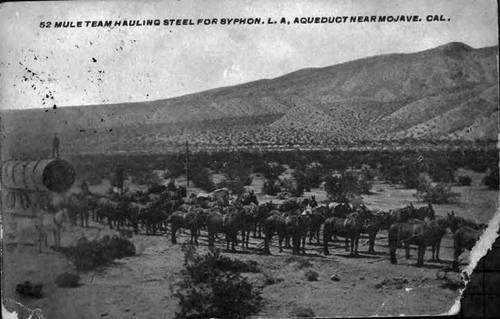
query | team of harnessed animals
(291,220)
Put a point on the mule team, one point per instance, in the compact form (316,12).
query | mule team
(291,220)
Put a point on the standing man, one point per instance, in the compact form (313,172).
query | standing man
(120,177)
(55,146)
(85,188)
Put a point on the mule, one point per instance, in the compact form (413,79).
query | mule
(274,224)
(349,228)
(463,238)
(296,227)
(415,232)
(318,217)
(371,224)
(191,220)
(214,225)
(233,222)
(263,211)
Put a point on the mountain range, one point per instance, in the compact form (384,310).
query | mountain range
(448,93)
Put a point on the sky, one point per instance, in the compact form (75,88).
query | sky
(43,67)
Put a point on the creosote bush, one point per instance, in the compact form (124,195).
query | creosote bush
(88,255)
(438,194)
(302,312)
(271,187)
(311,275)
(464,180)
(492,179)
(212,287)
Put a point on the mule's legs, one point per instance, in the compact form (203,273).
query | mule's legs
(173,239)
(438,248)
(304,243)
(326,238)
(355,244)
(247,238)
(267,239)
(456,254)
(210,239)
(371,240)
(421,253)
(407,249)
(280,241)
(392,252)
(243,233)
(393,245)
(234,241)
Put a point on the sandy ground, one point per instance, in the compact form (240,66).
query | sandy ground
(142,286)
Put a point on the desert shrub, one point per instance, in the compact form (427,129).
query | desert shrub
(269,279)
(464,180)
(311,275)
(176,166)
(67,279)
(201,178)
(491,179)
(302,183)
(236,186)
(171,186)
(334,186)
(424,182)
(404,171)
(409,175)
(365,179)
(302,312)
(438,194)
(271,187)
(94,179)
(315,173)
(167,175)
(442,170)
(212,286)
(88,255)
(348,185)
(301,263)
(270,171)
(148,178)
(238,172)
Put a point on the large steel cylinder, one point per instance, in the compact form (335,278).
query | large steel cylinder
(44,175)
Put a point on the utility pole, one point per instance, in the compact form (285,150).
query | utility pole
(187,165)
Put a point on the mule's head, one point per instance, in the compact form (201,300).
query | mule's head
(253,198)
(430,211)
(307,211)
(454,221)
(313,201)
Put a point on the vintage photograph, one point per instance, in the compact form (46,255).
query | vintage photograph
(245,159)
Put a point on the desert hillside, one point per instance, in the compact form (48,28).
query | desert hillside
(446,93)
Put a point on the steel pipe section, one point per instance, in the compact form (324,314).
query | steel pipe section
(54,175)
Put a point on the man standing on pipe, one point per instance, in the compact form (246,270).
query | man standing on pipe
(55,146)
